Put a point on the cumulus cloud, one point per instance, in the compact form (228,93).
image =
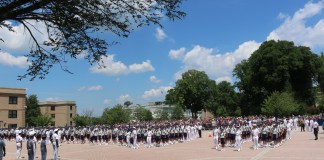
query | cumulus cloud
(91,88)
(225,78)
(156,92)
(217,66)
(20,39)
(9,60)
(113,67)
(177,54)
(124,98)
(159,34)
(154,79)
(107,101)
(294,28)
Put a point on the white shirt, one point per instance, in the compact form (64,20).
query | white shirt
(315,124)
(255,132)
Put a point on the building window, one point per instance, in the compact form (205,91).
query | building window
(52,108)
(13,100)
(71,107)
(53,115)
(52,124)
(71,115)
(12,114)
(71,123)
(12,126)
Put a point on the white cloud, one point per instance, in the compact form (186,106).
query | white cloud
(124,98)
(160,35)
(20,39)
(225,78)
(156,93)
(107,101)
(91,88)
(177,54)
(95,88)
(53,99)
(154,79)
(139,68)
(216,65)
(113,67)
(9,60)
(294,28)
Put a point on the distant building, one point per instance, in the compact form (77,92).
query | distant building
(156,107)
(12,107)
(62,112)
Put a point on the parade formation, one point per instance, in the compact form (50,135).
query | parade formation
(229,132)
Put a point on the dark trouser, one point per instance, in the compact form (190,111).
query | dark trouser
(302,128)
(199,132)
(316,133)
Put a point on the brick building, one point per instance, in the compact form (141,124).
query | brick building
(12,107)
(62,112)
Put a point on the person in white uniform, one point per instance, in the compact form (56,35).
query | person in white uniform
(255,137)
(238,137)
(19,140)
(215,137)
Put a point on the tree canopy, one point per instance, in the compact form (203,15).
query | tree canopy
(277,66)
(279,104)
(32,111)
(191,91)
(71,26)
(142,114)
(116,115)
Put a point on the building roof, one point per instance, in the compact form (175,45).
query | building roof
(13,90)
(56,103)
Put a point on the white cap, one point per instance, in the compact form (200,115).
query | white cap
(55,130)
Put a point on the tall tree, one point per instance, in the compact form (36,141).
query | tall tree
(177,112)
(279,105)
(71,26)
(191,91)
(226,99)
(127,104)
(42,120)
(82,120)
(142,114)
(116,115)
(32,110)
(276,66)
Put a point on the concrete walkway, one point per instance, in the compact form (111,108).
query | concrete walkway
(302,146)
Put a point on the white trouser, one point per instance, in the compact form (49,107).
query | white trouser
(18,152)
(55,151)
(238,143)
(216,142)
(149,141)
(255,142)
(288,134)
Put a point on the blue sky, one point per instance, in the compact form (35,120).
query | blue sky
(213,37)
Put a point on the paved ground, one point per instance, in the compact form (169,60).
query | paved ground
(302,146)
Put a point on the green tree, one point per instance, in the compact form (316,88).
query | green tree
(162,115)
(227,99)
(41,120)
(192,91)
(81,120)
(116,115)
(32,110)
(127,104)
(279,104)
(72,26)
(276,66)
(177,112)
(142,114)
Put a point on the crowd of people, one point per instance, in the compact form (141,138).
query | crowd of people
(227,132)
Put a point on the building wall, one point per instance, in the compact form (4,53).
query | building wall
(5,107)
(62,114)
